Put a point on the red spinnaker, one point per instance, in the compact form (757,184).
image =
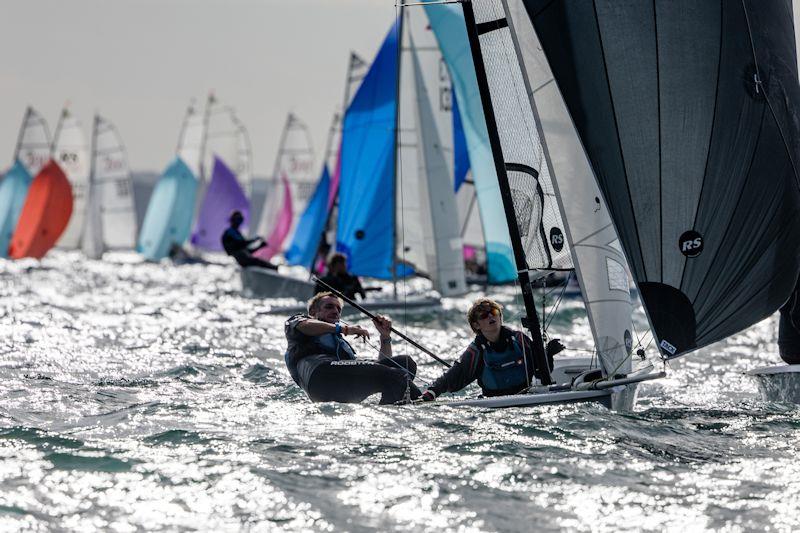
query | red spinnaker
(45,214)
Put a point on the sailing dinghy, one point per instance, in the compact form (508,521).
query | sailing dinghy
(111,214)
(684,114)
(31,153)
(227,152)
(168,219)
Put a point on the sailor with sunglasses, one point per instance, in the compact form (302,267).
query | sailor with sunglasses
(499,358)
(324,364)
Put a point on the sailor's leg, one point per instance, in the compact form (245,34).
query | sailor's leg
(353,381)
(409,366)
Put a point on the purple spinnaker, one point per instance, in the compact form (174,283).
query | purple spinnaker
(224,194)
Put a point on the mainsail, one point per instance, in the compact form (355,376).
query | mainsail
(111,215)
(71,153)
(687,113)
(543,141)
(192,139)
(427,217)
(294,167)
(45,214)
(32,151)
(448,25)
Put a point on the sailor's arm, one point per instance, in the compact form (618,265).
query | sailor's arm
(384,326)
(462,373)
(313,328)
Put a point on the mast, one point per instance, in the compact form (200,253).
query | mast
(531,321)
(396,145)
(204,136)
(21,134)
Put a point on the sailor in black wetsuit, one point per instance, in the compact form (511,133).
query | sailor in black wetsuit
(324,364)
(340,279)
(789,329)
(499,358)
(240,248)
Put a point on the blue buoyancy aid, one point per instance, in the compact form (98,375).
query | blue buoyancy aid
(504,372)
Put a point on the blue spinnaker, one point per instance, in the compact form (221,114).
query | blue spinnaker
(460,152)
(447,22)
(168,219)
(13,190)
(311,224)
(365,232)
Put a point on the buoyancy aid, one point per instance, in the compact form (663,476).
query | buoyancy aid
(504,372)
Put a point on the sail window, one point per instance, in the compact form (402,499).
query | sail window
(617,277)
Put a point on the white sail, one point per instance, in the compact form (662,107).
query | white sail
(72,154)
(428,232)
(227,138)
(191,142)
(33,145)
(92,238)
(295,162)
(112,188)
(599,262)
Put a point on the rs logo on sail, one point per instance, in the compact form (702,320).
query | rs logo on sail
(691,243)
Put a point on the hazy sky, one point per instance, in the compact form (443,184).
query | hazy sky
(139,62)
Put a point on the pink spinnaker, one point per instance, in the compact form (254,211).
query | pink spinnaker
(282,227)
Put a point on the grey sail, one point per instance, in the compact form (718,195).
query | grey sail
(688,113)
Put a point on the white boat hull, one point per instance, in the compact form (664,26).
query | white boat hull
(779,383)
(617,395)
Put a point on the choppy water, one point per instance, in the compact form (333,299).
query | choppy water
(153,397)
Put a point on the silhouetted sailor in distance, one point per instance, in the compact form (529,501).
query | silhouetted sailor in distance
(240,248)
(340,279)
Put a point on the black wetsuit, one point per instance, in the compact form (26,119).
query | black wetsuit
(471,366)
(325,366)
(345,283)
(789,329)
(239,248)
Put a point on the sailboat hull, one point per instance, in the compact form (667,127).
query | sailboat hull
(265,283)
(780,383)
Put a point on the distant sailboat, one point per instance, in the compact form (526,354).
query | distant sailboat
(31,153)
(71,152)
(45,214)
(111,215)
(168,219)
(227,152)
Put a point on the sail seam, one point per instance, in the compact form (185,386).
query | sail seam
(738,201)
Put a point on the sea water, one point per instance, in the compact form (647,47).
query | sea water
(139,396)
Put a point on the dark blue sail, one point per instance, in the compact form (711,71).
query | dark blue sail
(366,191)
(303,248)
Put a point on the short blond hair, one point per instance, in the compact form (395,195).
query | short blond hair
(480,303)
(313,303)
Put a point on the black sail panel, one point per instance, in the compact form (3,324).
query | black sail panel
(688,112)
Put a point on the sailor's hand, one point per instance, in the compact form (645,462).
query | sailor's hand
(383,325)
(358,331)
(428,396)
(554,347)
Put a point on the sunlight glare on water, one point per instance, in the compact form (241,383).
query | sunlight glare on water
(152,396)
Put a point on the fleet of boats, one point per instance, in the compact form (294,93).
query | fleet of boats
(483,142)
